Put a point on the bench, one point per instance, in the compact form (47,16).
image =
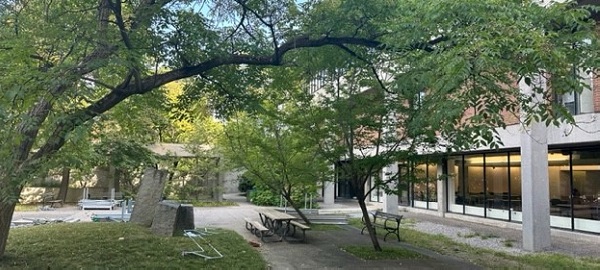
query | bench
(389,222)
(87,204)
(256,228)
(48,200)
(298,225)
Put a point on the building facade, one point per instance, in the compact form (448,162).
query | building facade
(488,183)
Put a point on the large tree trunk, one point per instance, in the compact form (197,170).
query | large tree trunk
(64,184)
(367,219)
(6,212)
(296,208)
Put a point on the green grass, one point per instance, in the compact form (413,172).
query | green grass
(490,258)
(325,227)
(388,253)
(120,246)
(477,234)
(508,243)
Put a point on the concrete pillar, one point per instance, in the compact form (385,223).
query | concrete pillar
(452,178)
(329,188)
(441,188)
(390,201)
(329,193)
(534,180)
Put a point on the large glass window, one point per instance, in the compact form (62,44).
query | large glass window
(559,180)
(485,185)
(403,184)
(496,186)
(474,185)
(425,185)
(377,192)
(490,185)
(515,181)
(432,177)
(420,185)
(585,194)
(456,191)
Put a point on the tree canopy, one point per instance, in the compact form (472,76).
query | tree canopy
(65,63)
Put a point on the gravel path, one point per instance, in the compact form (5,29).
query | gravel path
(468,236)
(493,237)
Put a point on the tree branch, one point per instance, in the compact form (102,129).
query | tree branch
(126,89)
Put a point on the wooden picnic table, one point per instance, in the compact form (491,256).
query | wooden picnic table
(277,222)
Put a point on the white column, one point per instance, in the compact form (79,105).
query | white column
(534,181)
(390,201)
(452,177)
(441,189)
(329,189)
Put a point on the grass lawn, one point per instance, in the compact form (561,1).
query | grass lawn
(490,258)
(120,246)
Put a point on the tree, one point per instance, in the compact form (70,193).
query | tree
(274,155)
(83,58)
(380,109)
(356,126)
(67,62)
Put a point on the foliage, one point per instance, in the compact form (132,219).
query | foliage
(262,195)
(111,246)
(193,178)
(277,158)
(244,184)
(66,64)
(446,84)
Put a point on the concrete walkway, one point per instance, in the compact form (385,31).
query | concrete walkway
(322,248)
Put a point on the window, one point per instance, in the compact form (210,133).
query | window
(578,103)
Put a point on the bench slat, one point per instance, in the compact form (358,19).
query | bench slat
(256,228)
(300,225)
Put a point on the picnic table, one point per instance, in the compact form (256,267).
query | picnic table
(277,222)
(48,200)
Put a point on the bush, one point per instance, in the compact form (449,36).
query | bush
(245,184)
(264,196)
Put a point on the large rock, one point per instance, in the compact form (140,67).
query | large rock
(171,218)
(148,196)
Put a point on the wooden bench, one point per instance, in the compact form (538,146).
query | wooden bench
(48,200)
(256,228)
(87,204)
(389,222)
(298,225)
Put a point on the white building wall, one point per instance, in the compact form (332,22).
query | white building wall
(586,130)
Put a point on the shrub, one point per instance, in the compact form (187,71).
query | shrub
(244,184)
